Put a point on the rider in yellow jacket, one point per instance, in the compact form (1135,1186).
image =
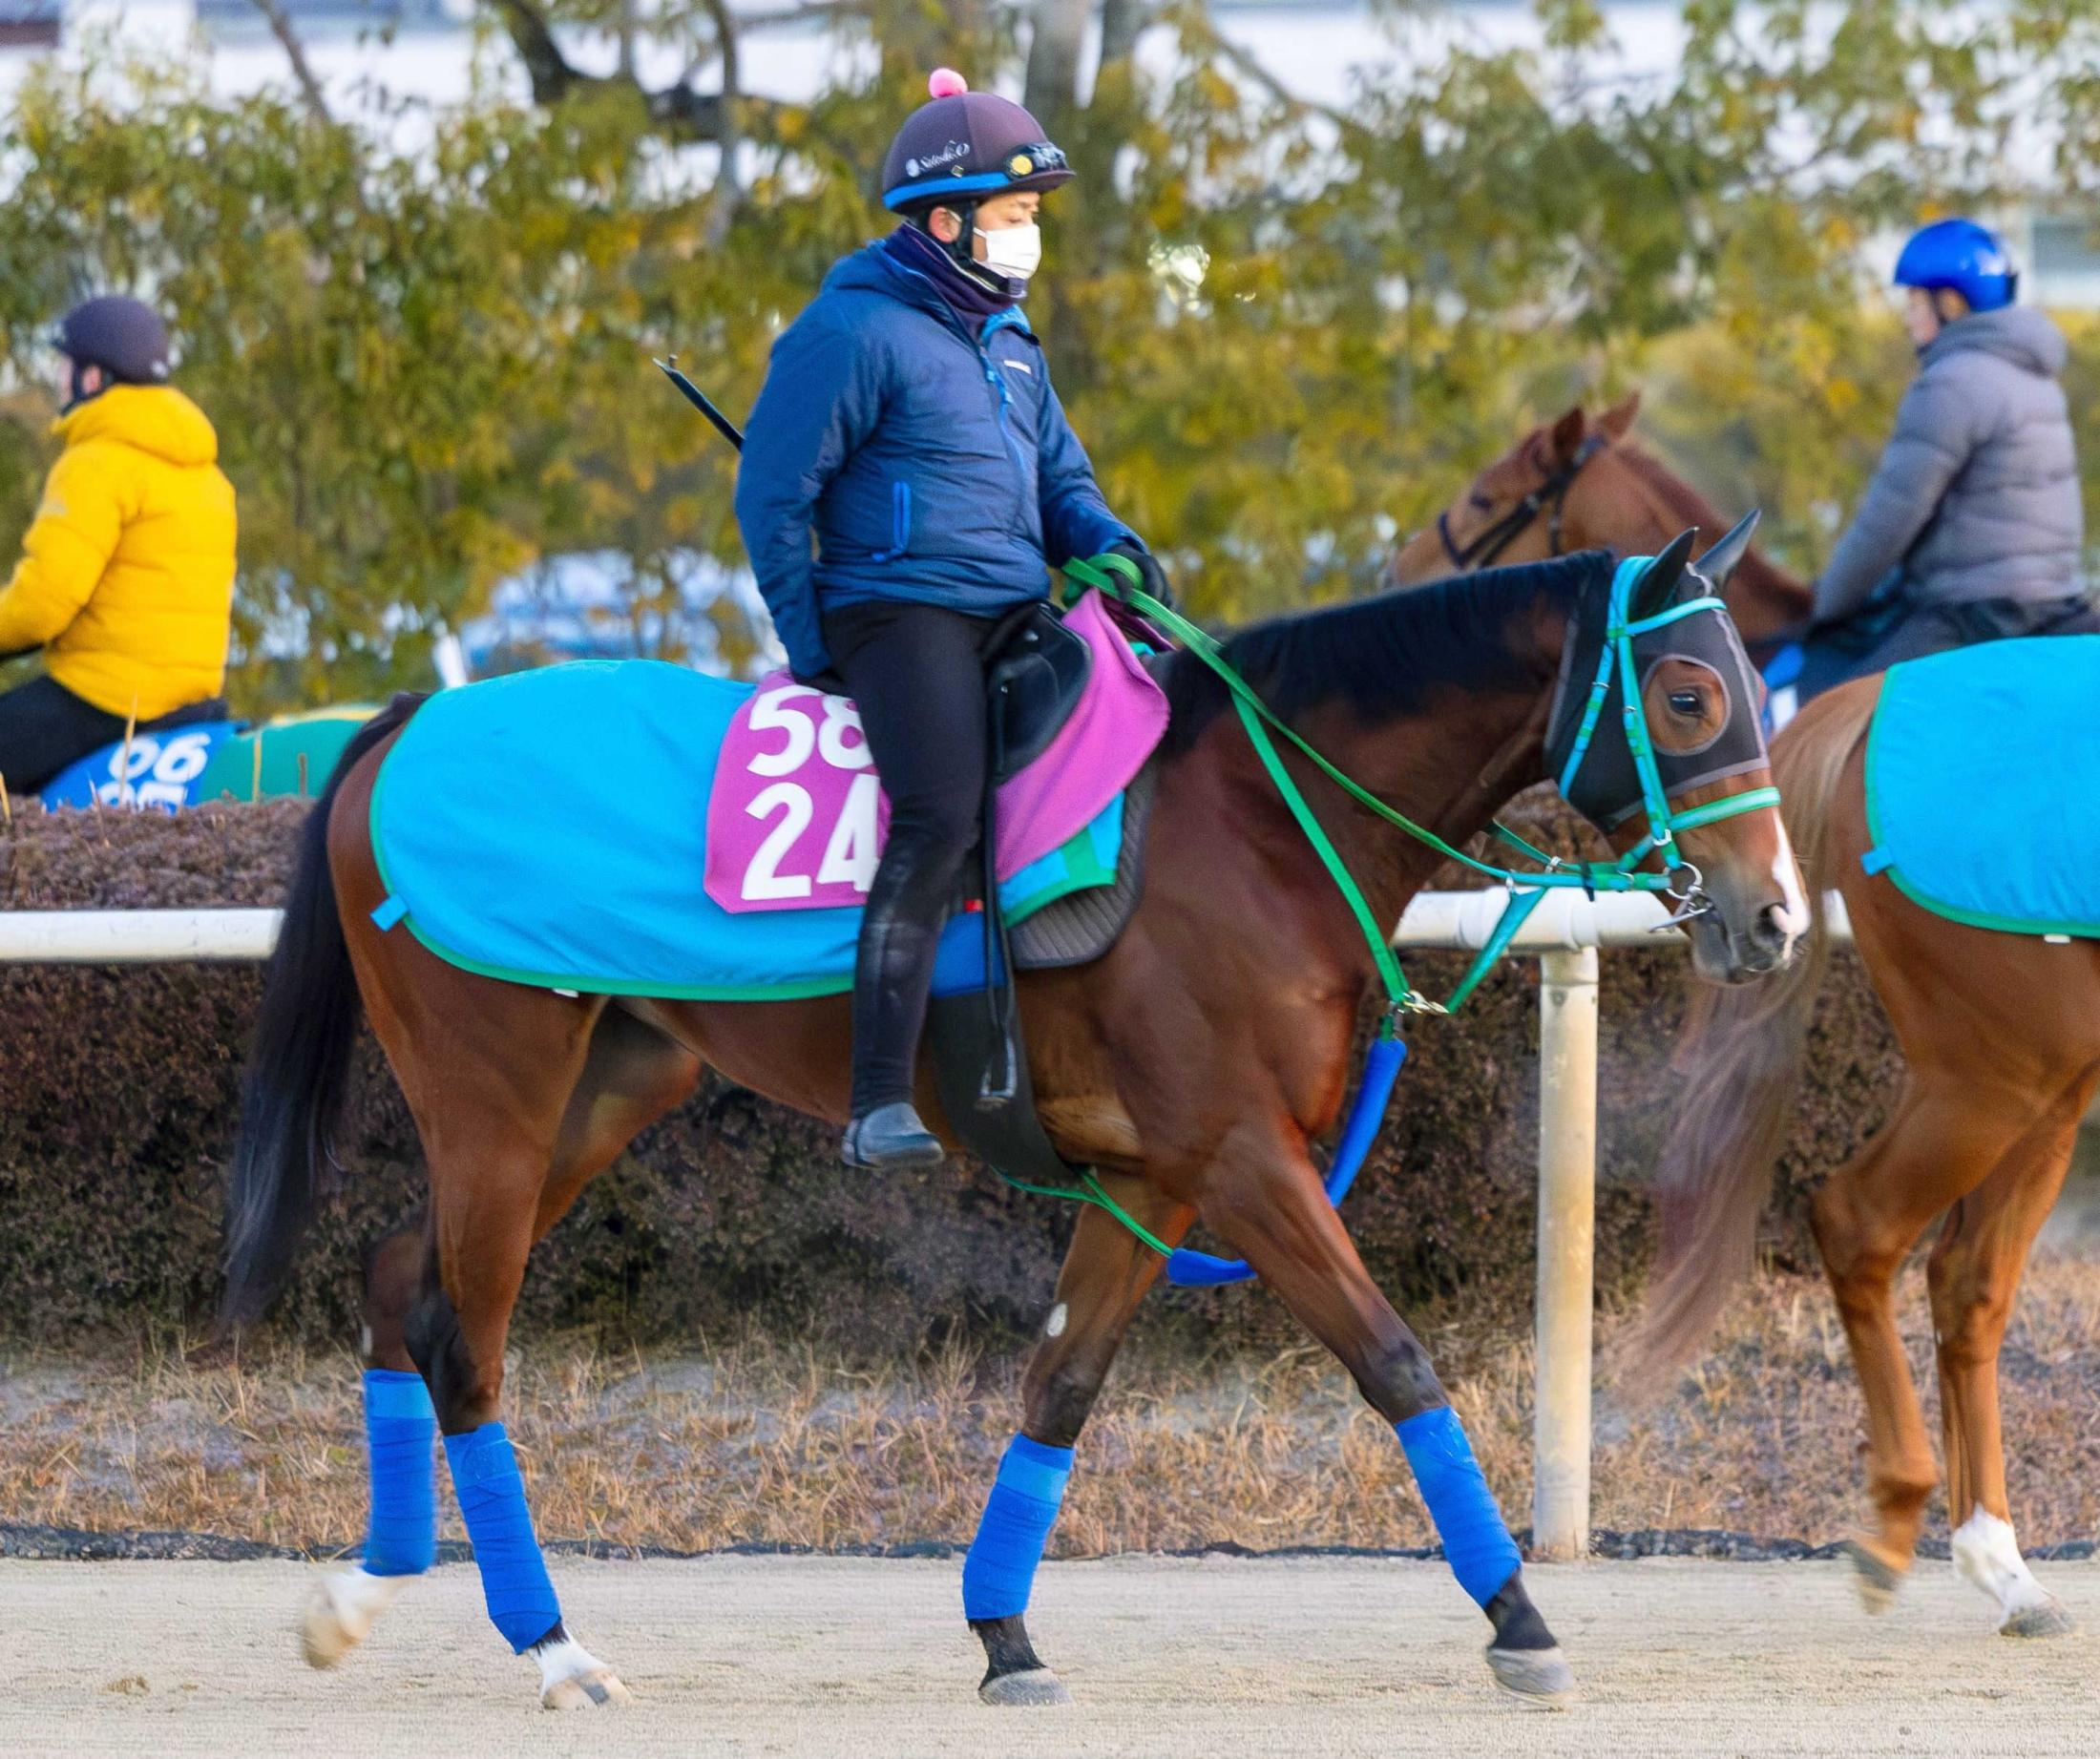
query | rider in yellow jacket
(126,577)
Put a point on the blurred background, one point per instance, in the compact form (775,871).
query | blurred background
(1326,259)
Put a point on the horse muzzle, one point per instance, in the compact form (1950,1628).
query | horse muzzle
(1732,948)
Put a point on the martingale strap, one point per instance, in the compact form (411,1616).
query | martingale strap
(1117,577)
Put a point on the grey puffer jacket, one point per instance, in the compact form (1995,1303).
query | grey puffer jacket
(1977,496)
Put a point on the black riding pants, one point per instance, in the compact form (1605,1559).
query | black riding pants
(918,674)
(44,727)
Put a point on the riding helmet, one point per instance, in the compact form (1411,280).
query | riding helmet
(124,337)
(1959,254)
(967,144)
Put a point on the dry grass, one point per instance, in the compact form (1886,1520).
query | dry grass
(751,1441)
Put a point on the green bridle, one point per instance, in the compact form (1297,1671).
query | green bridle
(1118,578)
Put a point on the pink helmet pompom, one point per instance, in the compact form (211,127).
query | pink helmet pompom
(946,82)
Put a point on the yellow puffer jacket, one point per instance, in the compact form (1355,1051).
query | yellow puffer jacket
(126,578)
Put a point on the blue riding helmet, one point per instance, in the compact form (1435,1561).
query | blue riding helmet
(1959,254)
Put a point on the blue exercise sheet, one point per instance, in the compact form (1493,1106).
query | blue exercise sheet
(1984,784)
(550,828)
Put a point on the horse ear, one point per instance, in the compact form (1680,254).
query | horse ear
(1658,586)
(1568,434)
(1617,420)
(1718,563)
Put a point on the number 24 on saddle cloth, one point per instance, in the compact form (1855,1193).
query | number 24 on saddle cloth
(797,817)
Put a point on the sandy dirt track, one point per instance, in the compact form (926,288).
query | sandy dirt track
(852,1659)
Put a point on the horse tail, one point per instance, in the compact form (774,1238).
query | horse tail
(1740,1064)
(291,1096)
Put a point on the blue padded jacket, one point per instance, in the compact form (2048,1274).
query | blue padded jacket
(933,466)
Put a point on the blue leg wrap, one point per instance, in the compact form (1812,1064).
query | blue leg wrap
(400,1434)
(492,1499)
(1018,1517)
(1476,1544)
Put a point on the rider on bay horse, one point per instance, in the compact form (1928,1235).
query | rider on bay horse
(907,421)
(1972,528)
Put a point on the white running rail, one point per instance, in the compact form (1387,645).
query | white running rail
(1564,934)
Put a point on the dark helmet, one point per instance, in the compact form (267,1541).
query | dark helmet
(124,338)
(967,144)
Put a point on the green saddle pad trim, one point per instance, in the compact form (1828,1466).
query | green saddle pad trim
(1077,866)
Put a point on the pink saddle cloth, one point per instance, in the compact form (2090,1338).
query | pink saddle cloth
(797,816)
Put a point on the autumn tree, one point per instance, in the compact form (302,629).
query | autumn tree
(1286,330)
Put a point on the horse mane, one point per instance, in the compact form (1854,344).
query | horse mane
(1383,655)
(1688,507)
(1683,502)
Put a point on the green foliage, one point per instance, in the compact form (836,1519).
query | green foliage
(1285,332)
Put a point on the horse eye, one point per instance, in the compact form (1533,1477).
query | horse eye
(1482,501)
(1685,702)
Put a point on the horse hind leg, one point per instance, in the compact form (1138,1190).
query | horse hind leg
(488,1071)
(1975,1273)
(511,1186)
(631,1078)
(1107,1270)
(1941,1144)
(457,1334)
(401,1437)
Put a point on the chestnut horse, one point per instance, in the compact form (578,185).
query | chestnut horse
(1583,483)
(1194,1064)
(2001,1035)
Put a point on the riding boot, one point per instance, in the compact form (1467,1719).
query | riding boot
(892,977)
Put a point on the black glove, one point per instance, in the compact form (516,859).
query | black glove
(1151,576)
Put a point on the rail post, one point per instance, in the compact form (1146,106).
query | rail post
(1568,1231)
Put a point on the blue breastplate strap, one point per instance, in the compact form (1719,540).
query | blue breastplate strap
(1191,1269)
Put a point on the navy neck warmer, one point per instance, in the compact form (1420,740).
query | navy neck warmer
(970,298)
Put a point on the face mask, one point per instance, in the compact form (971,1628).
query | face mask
(1015,251)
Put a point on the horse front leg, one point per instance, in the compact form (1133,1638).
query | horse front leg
(1106,1272)
(1265,1199)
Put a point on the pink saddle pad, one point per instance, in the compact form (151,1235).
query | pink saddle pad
(797,817)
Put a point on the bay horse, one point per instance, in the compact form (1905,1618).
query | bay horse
(2001,1036)
(1194,1065)
(1582,482)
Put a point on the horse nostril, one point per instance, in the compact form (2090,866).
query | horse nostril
(1772,927)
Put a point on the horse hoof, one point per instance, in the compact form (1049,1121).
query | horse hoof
(341,1612)
(571,1678)
(1032,1687)
(584,1692)
(2047,1617)
(1876,1581)
(1539,1677)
